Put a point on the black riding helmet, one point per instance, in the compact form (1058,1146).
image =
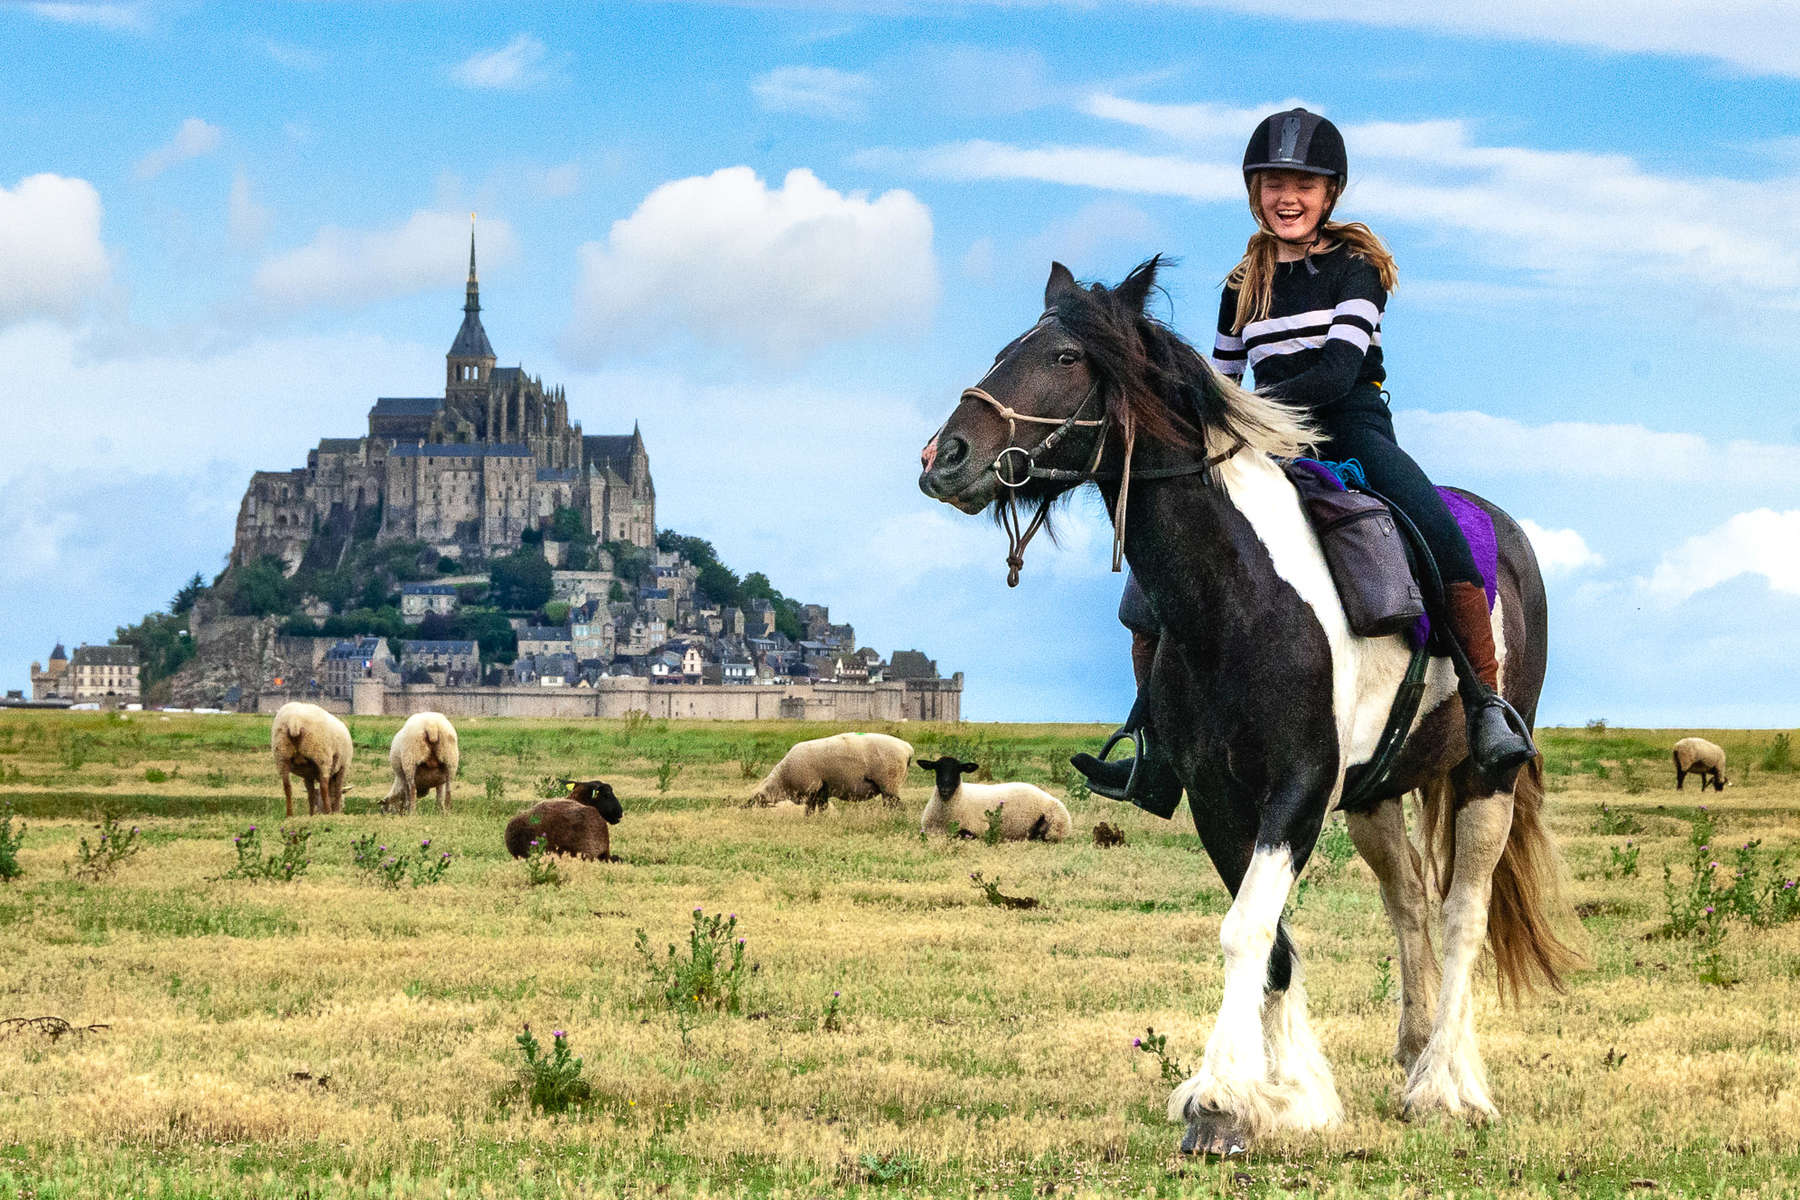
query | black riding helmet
(1297,140)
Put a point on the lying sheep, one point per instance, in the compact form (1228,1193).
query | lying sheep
(574,826)
(316,746)
(851,766)
(1027,812)
(1697,756)
(424,756)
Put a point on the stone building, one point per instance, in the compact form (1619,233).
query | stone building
(467,472)
(52,682)
(100,672)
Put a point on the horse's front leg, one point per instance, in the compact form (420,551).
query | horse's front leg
(1380,837)
(1263,1069)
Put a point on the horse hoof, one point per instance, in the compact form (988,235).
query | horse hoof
(1215,1134)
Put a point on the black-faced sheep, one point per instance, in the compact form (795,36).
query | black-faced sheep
(1027,812)
(574,826)
(850,766)
(1697,756)
(424,756)
(311,743)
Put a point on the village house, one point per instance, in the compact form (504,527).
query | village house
(417,600)
(358,658)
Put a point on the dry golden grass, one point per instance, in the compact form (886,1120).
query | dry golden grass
(982,1051)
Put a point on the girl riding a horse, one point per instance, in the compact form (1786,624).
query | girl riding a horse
(1302,310)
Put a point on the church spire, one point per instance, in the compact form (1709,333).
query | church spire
(474,301)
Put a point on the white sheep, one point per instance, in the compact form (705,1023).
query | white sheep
(316,746)
(852,766)
(1027,812)
(424,756)
(1697,756)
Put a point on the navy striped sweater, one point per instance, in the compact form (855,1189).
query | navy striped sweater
(1322,337)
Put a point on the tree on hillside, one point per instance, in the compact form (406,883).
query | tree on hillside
(258,589)
(190,591)
(163,646)
(520,581)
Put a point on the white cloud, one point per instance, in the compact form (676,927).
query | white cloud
(520,64)
(129,18)
(246,221)
(292,56)
(1081,236)
(558,182)
(1197,124)
(1464,443)
(1762,542)
(814,92)
(52,260)
(1559,551)
(348,267)
(1556,214)
(193,139)
(779,272)
(978,260)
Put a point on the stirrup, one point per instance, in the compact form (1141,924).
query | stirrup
(1498,753)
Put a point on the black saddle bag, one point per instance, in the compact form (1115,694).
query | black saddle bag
(1367,557)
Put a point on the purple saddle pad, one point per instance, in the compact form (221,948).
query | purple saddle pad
(1471,518)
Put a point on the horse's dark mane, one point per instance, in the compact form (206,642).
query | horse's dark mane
(1148,373)
(1154,377)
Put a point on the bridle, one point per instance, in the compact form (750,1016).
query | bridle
(1012,480)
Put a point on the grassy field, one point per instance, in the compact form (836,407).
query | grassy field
(897,1034)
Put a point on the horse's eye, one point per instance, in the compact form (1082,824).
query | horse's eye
(1067,358)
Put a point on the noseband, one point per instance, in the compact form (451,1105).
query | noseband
(1029,470)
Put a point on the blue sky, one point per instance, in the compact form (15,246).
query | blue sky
(782,237)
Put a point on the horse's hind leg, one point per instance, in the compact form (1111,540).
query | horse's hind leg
(1449,1074)
(1380,837)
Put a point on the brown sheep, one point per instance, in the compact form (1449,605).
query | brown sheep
(1697,756)
(574,826)
(311,743)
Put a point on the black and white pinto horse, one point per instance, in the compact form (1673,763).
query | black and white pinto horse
(1263,698)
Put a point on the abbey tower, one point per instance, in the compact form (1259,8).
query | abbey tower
(467,472)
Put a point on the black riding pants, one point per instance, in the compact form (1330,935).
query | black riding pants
(1360,427)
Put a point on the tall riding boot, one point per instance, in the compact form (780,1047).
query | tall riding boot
(1158,790)
(1499,743)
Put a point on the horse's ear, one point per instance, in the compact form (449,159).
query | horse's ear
(1061,280)
(1136,286)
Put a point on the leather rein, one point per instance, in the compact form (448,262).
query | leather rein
(1014,478)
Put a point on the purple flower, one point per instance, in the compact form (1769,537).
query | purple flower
(835,995)
(253,829)
(425,844)
(557,1033)
(1709,910)
(696,908)
(1137,1043)
(733,916)
(1712,866)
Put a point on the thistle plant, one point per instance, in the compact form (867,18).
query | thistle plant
(553,1081)
(708,975)
(287,865)
(540,864)
(10,841)
(101,859)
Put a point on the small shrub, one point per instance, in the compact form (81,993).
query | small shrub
(286,866)
(996,822)
(1157,1045)
(1631,775)
(1621,862)
(1779,756)
(493,789)
(709,975)
(1059,771)
(831,1020)
(10,773)
(752,758)
(1612,822)
(421,867)
(1712,960)
(898,1167)
(667,770)
(158,775)
(1381,992)
(103,858)
(540,865)
(549,787)
(10,841)
(999,899)
(216,778)
(1596,725)
(553,1081)
(635,720)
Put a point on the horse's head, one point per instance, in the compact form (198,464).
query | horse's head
(1065,368)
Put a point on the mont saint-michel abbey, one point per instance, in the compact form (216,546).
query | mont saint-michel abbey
(466,472)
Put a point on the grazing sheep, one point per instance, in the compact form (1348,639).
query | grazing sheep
(424,756)
(852,766)
(1027,812)
(316,746)
(574,826)
(1697,756)
(795,808)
